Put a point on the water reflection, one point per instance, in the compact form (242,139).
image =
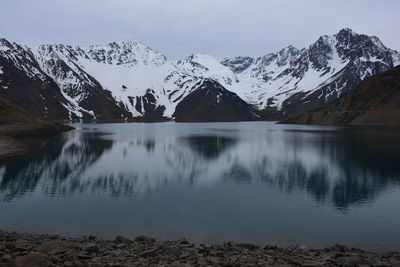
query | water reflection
(62,159)
(342,167)
(209,146)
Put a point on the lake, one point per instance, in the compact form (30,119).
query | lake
(256,182)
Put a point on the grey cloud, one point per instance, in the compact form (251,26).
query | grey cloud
(178,28)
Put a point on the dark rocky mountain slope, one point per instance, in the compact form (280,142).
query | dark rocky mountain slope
(375,101)
(25,84)
(212,102)
(15,122)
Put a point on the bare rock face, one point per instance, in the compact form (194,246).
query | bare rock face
(375,101)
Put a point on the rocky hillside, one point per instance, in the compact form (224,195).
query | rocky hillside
(375,101)
(125,81)
(23,82)
(15,122)
(212,102)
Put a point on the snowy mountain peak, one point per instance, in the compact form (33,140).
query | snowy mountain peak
(201,59)
(238,64)
(206,66)
(129,53)
(4,44)
(125,53)
(286,55)
(128,79)
(291,78)
(377,42)
(354,42)
(290,49)
(346,31)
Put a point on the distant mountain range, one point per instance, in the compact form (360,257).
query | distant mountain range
(125,81)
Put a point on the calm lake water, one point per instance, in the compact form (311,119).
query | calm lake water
(210,182)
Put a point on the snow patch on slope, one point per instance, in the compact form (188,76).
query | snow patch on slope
(128,70)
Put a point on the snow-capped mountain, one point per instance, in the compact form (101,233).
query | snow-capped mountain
(122,80)
(294,80)
(128,80)
(140,80)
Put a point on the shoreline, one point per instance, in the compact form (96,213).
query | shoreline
(11,135)
(17,249)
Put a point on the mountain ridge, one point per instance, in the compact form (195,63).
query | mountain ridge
(127,80)
(375,101)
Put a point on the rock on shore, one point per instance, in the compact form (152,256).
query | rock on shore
(52,250)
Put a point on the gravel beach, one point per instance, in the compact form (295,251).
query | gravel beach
(53,250)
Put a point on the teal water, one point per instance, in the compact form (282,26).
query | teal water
(210,182)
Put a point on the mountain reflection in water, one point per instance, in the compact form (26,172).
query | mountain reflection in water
(338,166)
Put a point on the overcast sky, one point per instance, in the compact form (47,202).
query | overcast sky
(178,28)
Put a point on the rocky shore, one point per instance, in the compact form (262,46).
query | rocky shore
(53,250)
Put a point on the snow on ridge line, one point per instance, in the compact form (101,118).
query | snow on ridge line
(128,69)
(123,80)
(268,81)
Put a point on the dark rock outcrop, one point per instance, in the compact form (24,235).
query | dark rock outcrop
(375,101)
(147,106)
(212,102)
(15,122)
